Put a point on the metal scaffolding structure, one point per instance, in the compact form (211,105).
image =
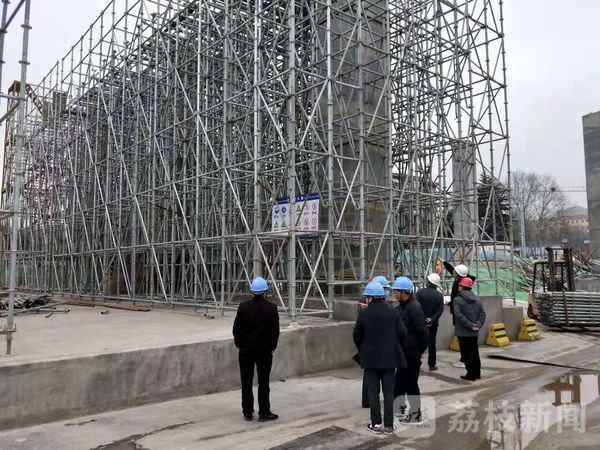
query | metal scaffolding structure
(182,147)
(15,144)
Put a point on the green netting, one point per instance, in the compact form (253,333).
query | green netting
(487,285)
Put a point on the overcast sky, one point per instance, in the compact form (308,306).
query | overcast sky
(553,63)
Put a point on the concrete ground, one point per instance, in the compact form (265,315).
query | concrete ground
(323,411)
(87,331)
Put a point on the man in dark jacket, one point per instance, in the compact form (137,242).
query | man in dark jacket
(407,379)
(378,335)
(255,333)
(458,273)
(363,304)
(470,317)
(432,303)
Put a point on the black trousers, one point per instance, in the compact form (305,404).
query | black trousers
(469,352)
(384,380)
(365,391)
(431,359)
(263,363)
(407,383)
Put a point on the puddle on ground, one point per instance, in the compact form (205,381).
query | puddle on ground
(575,389)
(559,408)
(533,415)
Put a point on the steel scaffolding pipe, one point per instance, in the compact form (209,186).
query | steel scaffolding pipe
(182,147)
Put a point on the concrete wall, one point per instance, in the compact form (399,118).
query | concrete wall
(510,316)
(53,390)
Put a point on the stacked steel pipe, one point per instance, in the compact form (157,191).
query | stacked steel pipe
(569,308)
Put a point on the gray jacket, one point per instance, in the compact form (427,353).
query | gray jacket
(468,312)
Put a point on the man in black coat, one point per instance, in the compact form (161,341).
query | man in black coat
(458,273)
(407,379)
(363,304)
(470,317)
(432,304)
(255,333)
(378,336)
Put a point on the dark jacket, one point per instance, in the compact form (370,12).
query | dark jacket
(454,292)
(256,326)
(414,320)
(468,312)
(378,335)
(432,303)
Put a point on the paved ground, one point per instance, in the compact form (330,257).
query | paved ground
(86,331)
(323,411)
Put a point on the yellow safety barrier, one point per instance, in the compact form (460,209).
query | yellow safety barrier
(528,331)
(497,335)
(454,346)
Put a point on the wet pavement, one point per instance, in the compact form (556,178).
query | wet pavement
(516,405)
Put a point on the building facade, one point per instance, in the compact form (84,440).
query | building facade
(591,142)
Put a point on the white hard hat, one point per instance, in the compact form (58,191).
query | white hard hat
(434,279)
(462,270)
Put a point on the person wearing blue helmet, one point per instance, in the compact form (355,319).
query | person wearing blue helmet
(386,287)
(415,344)
(255,334)
(378,334)
(383,281)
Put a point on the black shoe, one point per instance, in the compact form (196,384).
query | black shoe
(365,405)
(267,417)
(467,378)
(433,368)
(248,417)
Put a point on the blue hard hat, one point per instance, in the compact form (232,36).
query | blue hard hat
(403,284)
(382,281)
(258,285)
(374,289)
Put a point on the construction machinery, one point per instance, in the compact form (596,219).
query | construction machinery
(554,299)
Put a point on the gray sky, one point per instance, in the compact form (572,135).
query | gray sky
(553,70)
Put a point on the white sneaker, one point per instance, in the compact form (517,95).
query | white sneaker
(458,365)
(377,429)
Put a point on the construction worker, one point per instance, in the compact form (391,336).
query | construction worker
(363,303)
(386,287)
(407,378)
(378,334)
(458,273)
(432,303)
(470,317)
(383,281)
(255,333)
